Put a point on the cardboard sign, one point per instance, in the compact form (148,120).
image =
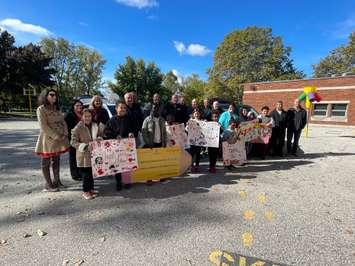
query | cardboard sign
(248,131)
(158,163)
(109,157)
(219,257)
(264,135)
(176,136)
(234,153)
(202,133)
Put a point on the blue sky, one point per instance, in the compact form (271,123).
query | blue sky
(180,35)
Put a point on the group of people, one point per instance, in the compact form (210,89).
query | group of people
(80,126)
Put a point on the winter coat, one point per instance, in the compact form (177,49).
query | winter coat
(100,115)
(296,120)
(279,119)
(53,136)
(148,131)
(225,118)
(72,120)
(81,136)
(119,126)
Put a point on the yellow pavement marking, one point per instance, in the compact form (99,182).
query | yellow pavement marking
(216,256)
(249,215)
(247,239)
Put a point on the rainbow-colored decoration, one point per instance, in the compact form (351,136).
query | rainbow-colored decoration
(309,95)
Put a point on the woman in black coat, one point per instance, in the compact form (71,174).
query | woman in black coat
(72,118)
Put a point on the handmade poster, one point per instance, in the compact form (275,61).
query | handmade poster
(109,157)
(158,163)
(248,131)
(176,136)
(264,135)
(202,133)
(234,153)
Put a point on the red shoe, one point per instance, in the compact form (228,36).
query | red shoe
(212,170)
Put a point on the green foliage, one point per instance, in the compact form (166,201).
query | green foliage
(193,88)
(22,68)
(139,77)
(340,60)
(78,68)
(249,55)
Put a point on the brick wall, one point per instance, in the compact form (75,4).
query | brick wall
(254,96)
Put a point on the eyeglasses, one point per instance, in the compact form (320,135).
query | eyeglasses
(52,94)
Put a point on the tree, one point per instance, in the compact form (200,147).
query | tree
(251,55)
(139,77)
(7,42)
(340,60)
(193,88)
(171,83)
(78,68)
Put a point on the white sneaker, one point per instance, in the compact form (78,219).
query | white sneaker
(50,190)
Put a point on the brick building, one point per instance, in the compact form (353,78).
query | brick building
(338,97)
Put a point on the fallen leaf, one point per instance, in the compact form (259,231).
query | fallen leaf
(41,233)
(65,262)
(242,194)
(3,241)
(349,231)
(262,198)
(103,239)
(247,239)
(26,235)
(249,215)
(269,215)
(79,262)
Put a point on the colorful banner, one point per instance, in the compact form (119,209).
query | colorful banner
(264,135)
(202,133)
(158,163)
(253,132)
(109,157)
(234,153)
(176,136)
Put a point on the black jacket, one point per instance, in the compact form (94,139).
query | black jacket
(175,113)
(71,119)
(136,114)
(280,119)
(296,120)
(119,126)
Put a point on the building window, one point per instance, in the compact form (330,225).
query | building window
(330,111)
(320,110)
(339,110)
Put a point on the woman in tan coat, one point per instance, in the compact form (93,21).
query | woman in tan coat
(53,138)
(83,133)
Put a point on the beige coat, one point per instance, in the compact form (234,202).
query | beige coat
(53,136)
(81,137)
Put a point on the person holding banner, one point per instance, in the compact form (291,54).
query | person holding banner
(296,121)
(82,134)
(120,126)
(195,151)
(213,152)
(266,121)
(154,129)
(53,138)
(228,115)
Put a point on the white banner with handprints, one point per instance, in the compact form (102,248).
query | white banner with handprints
(234,153)
(202,133)
(176,136)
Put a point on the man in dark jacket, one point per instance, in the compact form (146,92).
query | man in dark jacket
(279,130)
(296,121)
(174,112)
(157,102)
(134,112)
(206,111)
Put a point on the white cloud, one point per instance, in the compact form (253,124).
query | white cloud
(180,77)
(83,24)
(15,25)
(192,49)
(140,4)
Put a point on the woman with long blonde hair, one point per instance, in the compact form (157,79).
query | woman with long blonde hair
(99,113)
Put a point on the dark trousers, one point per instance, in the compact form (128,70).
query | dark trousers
(46,164)
(195,152)
(88,180)
(74,172)
(277,140)
(157,145)
(118,178)
(295,134)
(212,155)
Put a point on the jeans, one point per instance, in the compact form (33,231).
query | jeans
(295,134)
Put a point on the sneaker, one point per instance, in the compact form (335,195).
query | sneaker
(50,190)
(87,196)
(212,170)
